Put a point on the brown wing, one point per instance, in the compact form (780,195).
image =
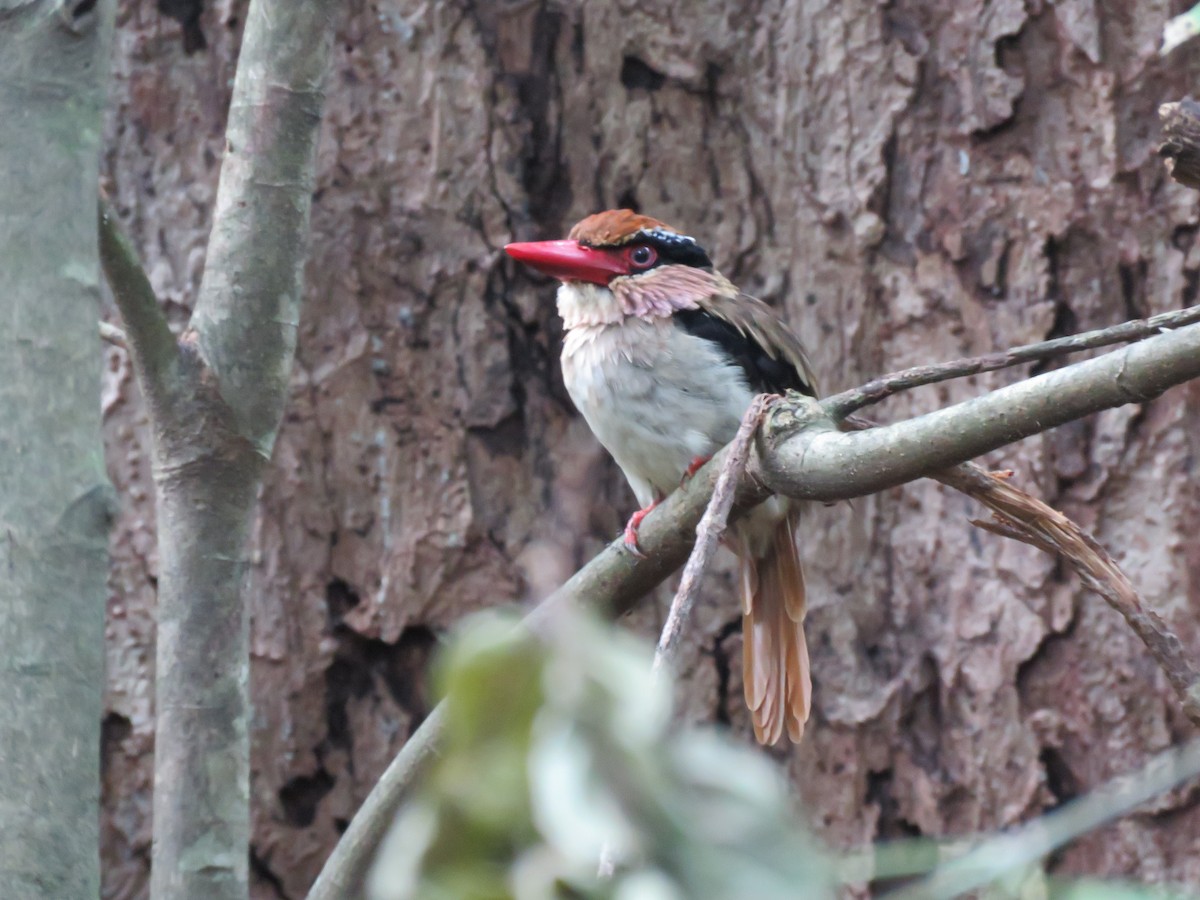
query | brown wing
(754,336)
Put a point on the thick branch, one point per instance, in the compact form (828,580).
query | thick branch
(841,405)
(804,456)
(248,309)
(155,352)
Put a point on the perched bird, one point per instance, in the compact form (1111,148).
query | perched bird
(663,356)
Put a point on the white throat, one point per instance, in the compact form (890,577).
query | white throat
(581,304)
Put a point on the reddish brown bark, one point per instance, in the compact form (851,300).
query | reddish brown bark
(911,183)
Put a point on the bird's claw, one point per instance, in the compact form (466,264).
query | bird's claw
(631,529)
(693,467)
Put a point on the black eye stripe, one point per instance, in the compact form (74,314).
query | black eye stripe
(676,249)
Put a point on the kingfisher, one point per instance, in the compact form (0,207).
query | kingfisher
(663,356)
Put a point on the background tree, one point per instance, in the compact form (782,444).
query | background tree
(910,183)
(214,398)
(55,503)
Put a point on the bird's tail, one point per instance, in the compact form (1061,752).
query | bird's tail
(775,666)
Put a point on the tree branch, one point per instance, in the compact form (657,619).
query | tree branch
(1025,518)
(111,334)
(841,405)
(611,583)
(342,875)
(802,455)
(248,309)
(709,531)
(152,345)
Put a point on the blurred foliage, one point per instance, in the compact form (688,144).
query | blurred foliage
(559,758)
(558,752)
(1112,890)
(1181,29)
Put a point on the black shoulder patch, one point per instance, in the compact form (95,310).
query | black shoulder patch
(764,374)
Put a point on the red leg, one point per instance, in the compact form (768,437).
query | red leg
(631,528)
(693,467)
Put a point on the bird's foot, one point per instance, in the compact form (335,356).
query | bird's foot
(693,467)
(631,529)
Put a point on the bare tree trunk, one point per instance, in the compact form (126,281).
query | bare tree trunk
(215,400)
(55,501)
(911,182)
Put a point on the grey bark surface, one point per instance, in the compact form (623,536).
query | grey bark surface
(55,503)
(909,183)
(215,399)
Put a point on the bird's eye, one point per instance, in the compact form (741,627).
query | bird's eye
(642,257)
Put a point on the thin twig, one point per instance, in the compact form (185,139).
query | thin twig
(111,334)
(1025,845)
(709,531)
(841,405)
(148,337)
(607,866)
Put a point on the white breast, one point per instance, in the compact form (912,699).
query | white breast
(655,396)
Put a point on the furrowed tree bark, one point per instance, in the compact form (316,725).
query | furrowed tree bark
(216,401)
(905,182)
(55,500)
(1181,140)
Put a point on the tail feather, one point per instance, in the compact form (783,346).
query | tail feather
(756,640)
(775,662)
